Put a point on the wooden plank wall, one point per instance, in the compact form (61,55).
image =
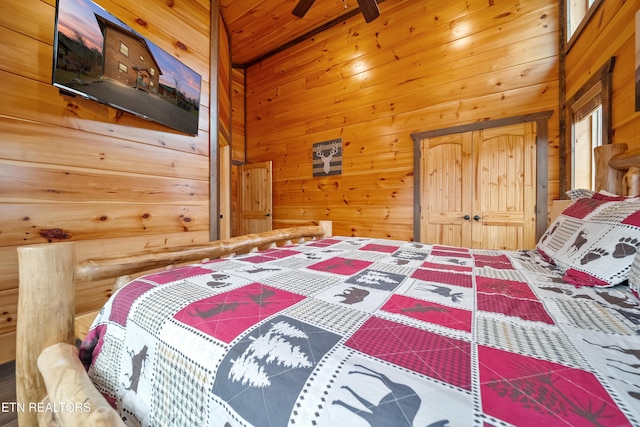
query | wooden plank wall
(238,115)
(610,32)
(72,169)
(238,154)
(420,66)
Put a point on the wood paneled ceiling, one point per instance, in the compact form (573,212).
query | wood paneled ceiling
(259,28)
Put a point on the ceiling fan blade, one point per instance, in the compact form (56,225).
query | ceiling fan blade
(302,7)
(369,9)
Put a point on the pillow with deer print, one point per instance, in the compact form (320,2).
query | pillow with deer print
(594,240)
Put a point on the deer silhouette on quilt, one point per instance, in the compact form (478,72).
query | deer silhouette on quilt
(397,408)
(138,361)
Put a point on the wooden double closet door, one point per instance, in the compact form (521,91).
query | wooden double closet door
(478,188)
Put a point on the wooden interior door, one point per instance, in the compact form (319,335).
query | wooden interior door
(255,198)
(504,194)
(478,188)
(446,189)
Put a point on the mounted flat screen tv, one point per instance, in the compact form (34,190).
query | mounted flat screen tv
(98,57)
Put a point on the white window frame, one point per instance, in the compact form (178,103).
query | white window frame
(596,93)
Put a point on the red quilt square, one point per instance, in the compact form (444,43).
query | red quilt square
(494,261)
(324,242)
(450,253)
(175,274)
(548,393)
(257,259)
(431,312)
(279,253)
(340,265)
(124,299)
(524,309)
(633,219)
(512,288)
(379,248)
(447,267)
(270,255)
(445,277)
(442,358)
(225,316)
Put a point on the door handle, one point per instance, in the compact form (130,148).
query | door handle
(269,214)
(476,217)
(466,217)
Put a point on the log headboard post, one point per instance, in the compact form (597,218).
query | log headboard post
(47,277)
(608,178)
(327,226)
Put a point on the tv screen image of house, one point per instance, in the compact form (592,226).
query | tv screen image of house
(99,57)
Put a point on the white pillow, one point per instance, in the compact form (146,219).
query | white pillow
(594,240)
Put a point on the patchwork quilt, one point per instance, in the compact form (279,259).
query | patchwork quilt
(368,332)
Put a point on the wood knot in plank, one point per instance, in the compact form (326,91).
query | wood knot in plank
(52,234)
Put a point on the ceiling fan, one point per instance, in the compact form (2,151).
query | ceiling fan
(369,9)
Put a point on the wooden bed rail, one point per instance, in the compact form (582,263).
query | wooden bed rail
(112,267)
(46,317)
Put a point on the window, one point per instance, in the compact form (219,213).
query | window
(589,113)
(578,13)
(586,135)
(124,49)
(123,67)
(152,72)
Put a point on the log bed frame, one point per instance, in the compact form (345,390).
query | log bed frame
(47,366)
(47,325)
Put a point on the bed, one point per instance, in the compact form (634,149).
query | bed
(360,331)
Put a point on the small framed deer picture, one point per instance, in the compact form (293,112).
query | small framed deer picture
(327,158)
